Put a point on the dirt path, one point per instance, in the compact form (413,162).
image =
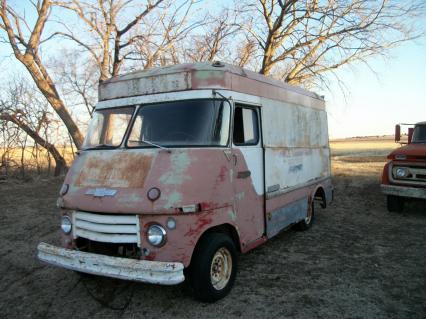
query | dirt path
(358,260)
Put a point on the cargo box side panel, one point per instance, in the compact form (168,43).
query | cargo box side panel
(290,168)
(292,126)
(296,145)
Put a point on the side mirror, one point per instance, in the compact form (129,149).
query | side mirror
(397,133)
(410,134)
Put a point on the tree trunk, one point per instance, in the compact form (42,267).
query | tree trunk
(59,159)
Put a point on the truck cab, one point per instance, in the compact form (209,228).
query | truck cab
(404,176)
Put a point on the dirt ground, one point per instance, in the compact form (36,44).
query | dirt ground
(357,261)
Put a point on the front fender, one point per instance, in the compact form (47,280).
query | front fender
(182,240)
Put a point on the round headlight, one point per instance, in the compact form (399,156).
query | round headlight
(66,224)
(156,235)
(401,172)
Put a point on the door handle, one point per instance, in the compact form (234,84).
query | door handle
(243,174)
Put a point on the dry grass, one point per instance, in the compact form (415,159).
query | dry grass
(34,162)
(30,156)
(364,157)
(362,147)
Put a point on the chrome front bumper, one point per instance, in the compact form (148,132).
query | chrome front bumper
(154,272)
(404,191)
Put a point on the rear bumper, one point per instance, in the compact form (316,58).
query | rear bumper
(404,191)
(154,272)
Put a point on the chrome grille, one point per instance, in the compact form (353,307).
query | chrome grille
(106,228)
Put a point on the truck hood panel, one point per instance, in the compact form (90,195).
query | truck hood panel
(117,181)
(411,150)
(113,169)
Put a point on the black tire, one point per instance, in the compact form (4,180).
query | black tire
(306,223)
(395,203)
(209,253)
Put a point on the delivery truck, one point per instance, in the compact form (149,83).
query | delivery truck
(184,167)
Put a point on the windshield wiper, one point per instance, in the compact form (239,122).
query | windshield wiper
(149,143)
(100,146)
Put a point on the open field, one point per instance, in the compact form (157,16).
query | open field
(357,261)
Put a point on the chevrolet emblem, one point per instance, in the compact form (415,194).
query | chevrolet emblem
(101,192)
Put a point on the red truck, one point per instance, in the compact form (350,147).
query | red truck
(404,176)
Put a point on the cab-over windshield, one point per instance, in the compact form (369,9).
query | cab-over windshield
(182,123)
(172,124)
(107,127)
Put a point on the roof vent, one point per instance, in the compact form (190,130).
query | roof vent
(218,64)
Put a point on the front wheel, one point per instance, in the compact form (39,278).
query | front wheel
(395,203)
(213,268)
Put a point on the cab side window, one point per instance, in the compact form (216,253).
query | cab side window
(246,130)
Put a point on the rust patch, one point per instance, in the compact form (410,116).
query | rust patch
(202,221)
(222,174)
(118,170)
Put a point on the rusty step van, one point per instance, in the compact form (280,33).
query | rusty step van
(185,166)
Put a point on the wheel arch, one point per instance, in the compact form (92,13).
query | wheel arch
(319,195)
(225,228)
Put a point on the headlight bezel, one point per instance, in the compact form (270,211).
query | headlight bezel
(401,172)
(161,231)
(66,224)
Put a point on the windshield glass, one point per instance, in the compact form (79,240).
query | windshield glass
(107,127)
(419,134)
(181,123)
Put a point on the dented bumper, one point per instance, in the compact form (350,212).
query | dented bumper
(154,272)
(404,191)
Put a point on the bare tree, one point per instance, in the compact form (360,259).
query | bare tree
(77,78)
(159,41)
(245,53)
(26,50)
(298,41)
(26,111)
(212,44)
(9,139)
(118,31)
(104,21)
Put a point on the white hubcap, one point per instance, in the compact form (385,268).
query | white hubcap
(221,268)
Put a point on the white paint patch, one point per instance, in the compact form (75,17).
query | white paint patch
(177,174)
(173,200)
(254,160)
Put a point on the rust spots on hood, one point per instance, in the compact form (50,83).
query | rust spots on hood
(121,169)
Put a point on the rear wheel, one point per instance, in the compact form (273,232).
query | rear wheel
(309,219)
(395,203)
(213,268)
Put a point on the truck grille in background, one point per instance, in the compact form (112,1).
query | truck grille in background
(417,174)
(106,228)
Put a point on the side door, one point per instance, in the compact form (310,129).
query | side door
(248,177)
